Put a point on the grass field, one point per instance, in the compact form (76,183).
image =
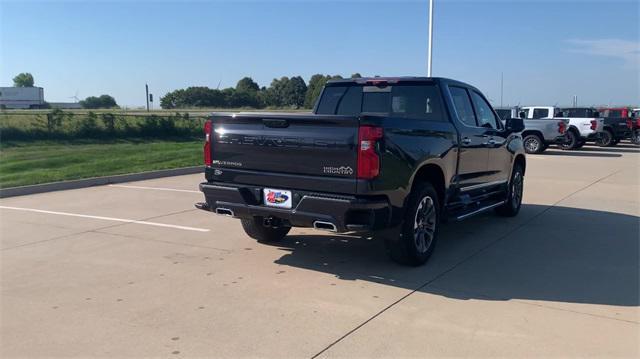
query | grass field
(33,162)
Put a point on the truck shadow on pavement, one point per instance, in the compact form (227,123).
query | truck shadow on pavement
(615,149)
(557,254)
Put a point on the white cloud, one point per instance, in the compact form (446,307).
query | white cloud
(629,51)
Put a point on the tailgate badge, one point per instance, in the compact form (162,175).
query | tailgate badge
(217,172)
(342,170)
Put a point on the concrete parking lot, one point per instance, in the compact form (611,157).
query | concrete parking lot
(134,270)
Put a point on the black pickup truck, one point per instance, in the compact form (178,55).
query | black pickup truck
(392,156)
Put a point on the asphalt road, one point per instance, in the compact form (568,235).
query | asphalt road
(133,270)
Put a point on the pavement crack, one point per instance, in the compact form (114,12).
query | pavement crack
(466,259)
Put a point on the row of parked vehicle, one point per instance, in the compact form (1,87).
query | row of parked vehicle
(571,128)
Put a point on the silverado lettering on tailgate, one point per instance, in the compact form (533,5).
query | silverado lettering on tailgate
(281,141)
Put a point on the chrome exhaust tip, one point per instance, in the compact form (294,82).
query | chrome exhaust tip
(224,212)
(325,226)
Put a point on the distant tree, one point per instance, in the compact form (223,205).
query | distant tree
(356,75)
(247,84)
(275,94)
(24,79)
(245,99)
(172,99)
(104,101)
(316,83)
(294,92)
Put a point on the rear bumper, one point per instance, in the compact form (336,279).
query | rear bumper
(347,213)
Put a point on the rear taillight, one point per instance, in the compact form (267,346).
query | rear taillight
(594,124)
(562,127)
(368,158)
(207,143)
(638,122)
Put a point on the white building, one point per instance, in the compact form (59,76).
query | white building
(21,97)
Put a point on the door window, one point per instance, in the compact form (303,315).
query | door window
(540,113)
(486,117)
(463,106)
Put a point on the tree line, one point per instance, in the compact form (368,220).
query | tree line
(288,92)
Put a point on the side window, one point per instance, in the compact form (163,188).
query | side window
(416,101)
(540,113)
(486,117)
(463,105)
(526,112)
(329,100)
(350,103)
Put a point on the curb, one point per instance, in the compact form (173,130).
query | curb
(96,181)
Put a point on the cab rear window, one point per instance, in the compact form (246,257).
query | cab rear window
(409,101)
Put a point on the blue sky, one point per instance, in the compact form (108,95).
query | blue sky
(547,50)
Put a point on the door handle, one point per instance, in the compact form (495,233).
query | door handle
(466,141)
(491,142)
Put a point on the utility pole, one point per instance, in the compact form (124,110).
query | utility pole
(147,95)
(429,56)
(501,87)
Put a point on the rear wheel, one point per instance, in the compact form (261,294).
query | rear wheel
(605,139)
(419,234)
(635,138)
(533,143)
(572,140)
(255,229)
(514,195)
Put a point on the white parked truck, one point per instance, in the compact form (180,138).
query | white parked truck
(580,128)
(539,131)
(22,97)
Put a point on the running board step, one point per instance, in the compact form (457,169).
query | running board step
(478,210)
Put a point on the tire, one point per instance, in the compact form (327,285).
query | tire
(572,142)
(514,195)
(605,139)
(533,144)
(256,230)
(635,137)
(419,232)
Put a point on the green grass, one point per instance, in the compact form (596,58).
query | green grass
(33,162)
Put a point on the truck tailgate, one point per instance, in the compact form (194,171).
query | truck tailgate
(266,146)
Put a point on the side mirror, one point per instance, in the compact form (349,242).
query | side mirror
(514,125)
(522,114)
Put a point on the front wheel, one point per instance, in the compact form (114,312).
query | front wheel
(255,229)
(635,138)
(419,233)
(512,205)
(533,144)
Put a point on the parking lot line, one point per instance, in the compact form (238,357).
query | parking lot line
(154,188)
(107,218)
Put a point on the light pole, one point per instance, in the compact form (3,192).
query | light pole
(501,87)
(146,88)
(430,38)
